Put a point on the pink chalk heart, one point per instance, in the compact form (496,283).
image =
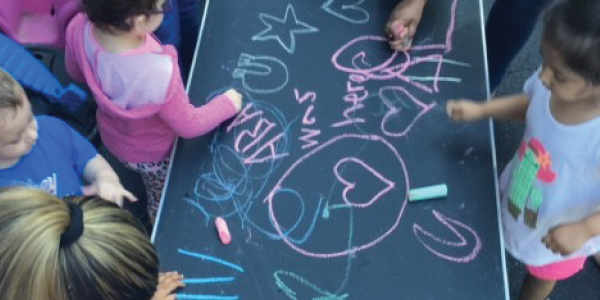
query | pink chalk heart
(349,186)
(403,111)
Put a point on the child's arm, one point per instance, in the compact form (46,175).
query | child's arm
(403,23)
(570,237)
(504,108)
(188,121)
(104,182)
(70,60)
(167,284)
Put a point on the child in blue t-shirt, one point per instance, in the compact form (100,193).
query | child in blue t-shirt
(46,153)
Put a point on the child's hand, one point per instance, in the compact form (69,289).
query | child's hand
(167,284)
(567,238)
(104,182)
(403,23)
(464,110)
(110,190)
(236,98)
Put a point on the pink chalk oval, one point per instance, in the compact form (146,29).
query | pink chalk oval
(223,230)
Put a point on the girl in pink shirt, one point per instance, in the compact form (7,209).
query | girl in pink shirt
(142,103)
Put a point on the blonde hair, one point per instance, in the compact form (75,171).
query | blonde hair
(112,260)
(10,92)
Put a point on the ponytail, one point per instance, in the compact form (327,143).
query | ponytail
(111,258)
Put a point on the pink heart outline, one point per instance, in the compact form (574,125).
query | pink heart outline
(351,185)
(392,110)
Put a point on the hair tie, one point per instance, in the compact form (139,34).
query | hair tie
(75,228)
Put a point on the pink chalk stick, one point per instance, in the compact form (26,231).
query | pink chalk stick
(400,29)
(223,230)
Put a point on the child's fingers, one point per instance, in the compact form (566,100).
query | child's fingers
(453,110)
(396,44)
(170,273)
(173,285)
(118,201)
(547,240)
(89,190)
(396,29)
(169,278)
(389,29)
(170,285)
(406,43)
(400,45)
(129,196)
(233,94)
(449,106)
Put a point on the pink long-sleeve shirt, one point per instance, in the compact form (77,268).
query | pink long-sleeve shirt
(142,133)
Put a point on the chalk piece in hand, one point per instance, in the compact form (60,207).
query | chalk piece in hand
(223,230)
(429,192)
(400,30)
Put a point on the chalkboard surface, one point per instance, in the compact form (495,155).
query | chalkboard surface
(312,176)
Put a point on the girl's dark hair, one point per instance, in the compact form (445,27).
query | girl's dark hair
(572,27)
(114,14)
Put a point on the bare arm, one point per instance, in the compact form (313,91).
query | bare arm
(507,108)
(104,182)
(512,107)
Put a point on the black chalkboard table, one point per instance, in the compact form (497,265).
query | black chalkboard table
(312,176)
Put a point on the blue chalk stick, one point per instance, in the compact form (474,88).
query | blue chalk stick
(429,192)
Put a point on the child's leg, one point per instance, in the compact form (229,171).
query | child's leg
(535,288)
(153,175)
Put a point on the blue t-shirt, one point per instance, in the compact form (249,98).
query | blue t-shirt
(56,161)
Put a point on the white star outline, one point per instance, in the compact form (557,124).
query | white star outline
(303,28)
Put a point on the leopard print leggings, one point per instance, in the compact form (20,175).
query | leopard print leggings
(153,176)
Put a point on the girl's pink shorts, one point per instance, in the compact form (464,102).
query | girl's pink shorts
(559,270)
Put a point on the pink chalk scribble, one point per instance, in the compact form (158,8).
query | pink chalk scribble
(271,152)
(351,185)
(394,111)
(308,119)
(312,96)
(243,117)
(253,138)
(393,68)
(384,71)
(380,234)
(256,135)
(434,243)
(309,134)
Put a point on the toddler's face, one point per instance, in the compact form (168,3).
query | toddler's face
(18,133)
(564,83)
